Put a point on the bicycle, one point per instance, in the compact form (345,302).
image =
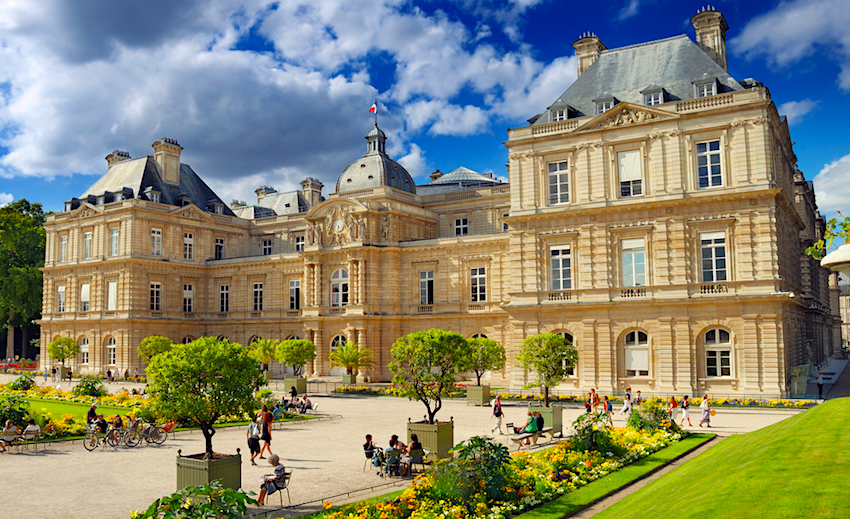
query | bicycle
(151,433)
(94,438)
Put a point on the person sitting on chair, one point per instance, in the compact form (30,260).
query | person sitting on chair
(393,453)
(10,434)
(117,422)
(31,428)
(399,444)
(273,482)
(306,404)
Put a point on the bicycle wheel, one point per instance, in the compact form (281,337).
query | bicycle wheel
(132,438)
(90,441)
(158,435)
(112,438)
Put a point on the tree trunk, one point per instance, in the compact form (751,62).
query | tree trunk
(10,340)
(208,434)
(545,396)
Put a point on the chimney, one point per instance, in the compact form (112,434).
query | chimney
(117,156)
(312,190)
(711,28)
(435,175)
(167,154)
(262,192)
(588,48)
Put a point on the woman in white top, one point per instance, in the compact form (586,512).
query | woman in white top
(10,433)
(686,411)
(706,411)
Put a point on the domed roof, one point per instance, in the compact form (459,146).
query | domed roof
(374,169)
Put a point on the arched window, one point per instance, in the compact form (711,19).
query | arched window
(570,370)
(187,339)
(339,288)
(84,350)
(636,353)
(254,339)
(337,341)
(293,338)
(221,338)
(477,335)
(718,353)
(111,354)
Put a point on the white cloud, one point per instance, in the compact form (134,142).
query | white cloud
(795,111)
(797,29)
(629,10)
(6,198)
(414,162)
(832,186)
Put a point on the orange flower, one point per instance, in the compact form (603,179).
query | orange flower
(327,504)
(587,463)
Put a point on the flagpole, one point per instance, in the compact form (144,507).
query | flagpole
(376,113)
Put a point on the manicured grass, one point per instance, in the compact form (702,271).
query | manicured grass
(793,469)
(600,488)
(58,408)
(384,498)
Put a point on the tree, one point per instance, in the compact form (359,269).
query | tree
(62,348)
(484,355)
(263,351)
(22,239)
(549,355)
(425,364)
(152,346)
(351,357)
(296,353)
(202,381)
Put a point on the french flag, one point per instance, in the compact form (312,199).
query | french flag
(374,108)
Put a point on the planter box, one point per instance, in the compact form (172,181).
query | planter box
(349,380)
(194,470)
(478,395)
(62,372)
(437,438)
(551,418)
(299,383)
(268,374)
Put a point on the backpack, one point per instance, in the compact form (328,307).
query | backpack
(497,411)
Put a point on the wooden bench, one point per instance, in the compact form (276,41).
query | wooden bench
(532,437)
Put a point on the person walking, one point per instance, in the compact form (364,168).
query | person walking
(266,435)
(497,414)
(706,411)
(53,373)
(593,398)
(686,411)
(108,375)
(254,439)
(136,375)
(70,376)
(45,376)
(627,403)
(609,410)
(674,409)
(820,386)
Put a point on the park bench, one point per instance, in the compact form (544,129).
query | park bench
(532,437)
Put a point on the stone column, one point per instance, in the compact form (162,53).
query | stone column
(748,366)
(665,369)
(587,355)
(321,354)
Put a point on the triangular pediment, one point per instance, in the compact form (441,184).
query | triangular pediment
(626,114)
(191,211)
(86,210)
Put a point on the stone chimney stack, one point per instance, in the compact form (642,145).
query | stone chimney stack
(435,175)
(262,192)
(711,30)
(312,190)
(117,156)
(588,48)
(167,154)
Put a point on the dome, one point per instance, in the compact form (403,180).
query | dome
(375,169)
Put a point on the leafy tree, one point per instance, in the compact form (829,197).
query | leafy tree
(263,351)
(835,228)
(425,365)
(152,346)
(352,357)
(549,355)
(485,355)
(62,348)
(202,381)
(22,239)
(296,353)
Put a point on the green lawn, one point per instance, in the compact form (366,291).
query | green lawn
(793,469)
(57,408)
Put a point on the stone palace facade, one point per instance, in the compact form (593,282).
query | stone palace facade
(654,214)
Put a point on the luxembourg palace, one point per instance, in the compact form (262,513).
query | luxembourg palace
(653,214)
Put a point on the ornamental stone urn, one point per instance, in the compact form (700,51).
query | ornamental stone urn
(838,260)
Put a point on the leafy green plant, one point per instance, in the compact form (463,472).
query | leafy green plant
(484,355)
(649,415)
(62,348)
(22,383)
(210,501)
(549,356)
(835,228)
(352,357)
(478,464)
(14,408)
(152,346)
(263,351)
(89,386)
(296,353)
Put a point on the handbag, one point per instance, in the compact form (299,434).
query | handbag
(713,412)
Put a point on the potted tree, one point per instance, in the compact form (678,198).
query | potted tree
(152,346)
(264,351)
(296,353)
(62,348)
(424,367)
(549,356)
(484,355)
(353,358)
(198,383)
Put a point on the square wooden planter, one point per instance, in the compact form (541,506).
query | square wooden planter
(478,395)
(438,438)
(299,383)
(349,380)
(194,470)
(551,418)
(62,372)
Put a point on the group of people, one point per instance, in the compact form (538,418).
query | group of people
(260,429)
(397,450)
(13,433)
(96,419)
(112,376)
(685,404)
(593,402)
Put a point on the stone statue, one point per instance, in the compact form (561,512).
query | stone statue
(385,227)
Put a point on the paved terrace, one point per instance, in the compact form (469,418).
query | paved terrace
(326,456)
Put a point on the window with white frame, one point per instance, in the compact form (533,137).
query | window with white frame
(604,106)
(84,350)
(154,196)
(113,241)
(111,296)
(628,165)
(478,284)
(560,266)
(636,354)
(85,297)
(718,353)
(339,288)
(634,262)
(87,245)
(652,98)
(504,223)
(426,287)
(267,247)
(60,301)
(156,242)
(219,248)
(156,296)
(337,341)
(188,297)
(461,226)
(188,340)
(709,171)
(706,89)
(294,294)
(224,298)
(258,297)
(110,351)
(188,246)
(713,251)
(299,244)
(63,248)
(559,182)
(569,369)
(559,115)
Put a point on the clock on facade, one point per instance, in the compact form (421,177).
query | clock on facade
(339,226)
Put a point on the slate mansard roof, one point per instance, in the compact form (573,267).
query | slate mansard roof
(461,179)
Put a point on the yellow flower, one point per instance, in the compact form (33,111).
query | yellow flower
(327,504)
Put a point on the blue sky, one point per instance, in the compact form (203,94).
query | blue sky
(261,92)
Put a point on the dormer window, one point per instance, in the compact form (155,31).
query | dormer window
(154,196)
(605,104)
(653,98)
(559,115)
(705,88)
(218,209)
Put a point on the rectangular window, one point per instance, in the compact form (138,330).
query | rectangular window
(558,115)
(156,242)
(110,354)
(60,302)
(154,197)
(113,241)
(188,298)
(706,89)
(87,245)
(637,362)
(188,246)
(267,247)
(63,248)
(219,248)
(461,226)
(634,263)
(652,99)
(294,294)
(156,296)
(604,106)
(111,296)
(561,268)
(258,297)
(224,298)
(426,287)
(628,163)
(708,164)
(713,248)
(559,183)
(478,283)
(718,363)
(505,224)
(85,295)
(299,244)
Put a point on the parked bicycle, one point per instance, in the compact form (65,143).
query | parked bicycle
(151,433)
(94,437)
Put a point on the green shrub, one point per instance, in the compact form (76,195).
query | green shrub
(207,501)
(592,435)
(90,386)
(475,461)
(14,408)
(23,382)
